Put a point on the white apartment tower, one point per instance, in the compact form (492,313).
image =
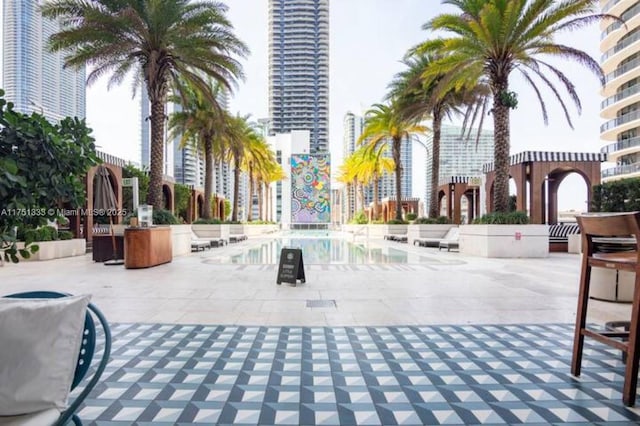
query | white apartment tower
(459,155)
(33,78)
(620,47)
(299,69)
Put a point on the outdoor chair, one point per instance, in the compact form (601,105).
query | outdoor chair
(599,234)
(450,240)
(58,320)
(451,235)
(198,244)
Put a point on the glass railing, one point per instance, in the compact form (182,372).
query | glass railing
(619,121)
(626,16)
(620,145)
(623,69)
(607,7)
(621,170)
(622,44)
(620,96)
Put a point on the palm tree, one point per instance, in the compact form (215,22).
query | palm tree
(274,173)
(160,41)
(373,164)
(383,125)
(490,39)
(254,160)
(198,122)
(419,98)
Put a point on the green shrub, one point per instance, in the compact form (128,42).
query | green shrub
(359,219)
(411,216)
(441,220)
(46,233)
(65,235)
(497,218)
(617,196)
(164,217)
(212,221)
(396,222)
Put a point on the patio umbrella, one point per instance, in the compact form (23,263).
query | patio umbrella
(105,199)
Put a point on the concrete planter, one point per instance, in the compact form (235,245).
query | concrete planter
(212,232)
(379,231)
(254,230)
(504,240)
(58,249)
(236,229)
(180,239)
(415,231)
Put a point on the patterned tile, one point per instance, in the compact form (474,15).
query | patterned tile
(488,374)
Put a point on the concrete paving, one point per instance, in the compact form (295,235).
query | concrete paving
(433,287)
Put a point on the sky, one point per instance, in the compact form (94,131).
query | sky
(367,41)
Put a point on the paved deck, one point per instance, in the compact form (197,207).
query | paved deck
(435,287)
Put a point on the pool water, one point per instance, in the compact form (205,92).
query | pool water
(321,249)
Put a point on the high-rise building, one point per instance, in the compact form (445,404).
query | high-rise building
(353,125)
(459,155)
(387,185)
(299,69)
(34,78)
(620,47)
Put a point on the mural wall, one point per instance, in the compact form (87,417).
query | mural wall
(310,188)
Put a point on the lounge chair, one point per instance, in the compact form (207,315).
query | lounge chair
(49,374)
(450,240)
(451,235)
(198,244)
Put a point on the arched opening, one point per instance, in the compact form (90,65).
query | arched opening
(200,205)
(572,196)
(167,197)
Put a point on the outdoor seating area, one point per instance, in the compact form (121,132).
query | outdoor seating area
(236,238)
(448,241)
(50,342)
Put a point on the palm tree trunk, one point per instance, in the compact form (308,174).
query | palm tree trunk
(397,146)
(261,190)
(250,200)
(208,175)
(154,195)
(214,186)
(501,148)
(236,188)
(376,195)
(435,163)
(361,196)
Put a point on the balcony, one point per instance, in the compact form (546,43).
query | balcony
(615,149)
(619,121)
(621,171)
(624,94)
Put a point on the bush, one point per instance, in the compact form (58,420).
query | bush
(164,217)
(411,216)
(212,221)
(396,222)
(44,233)
(511,218)
(65,235)
(617,196)
(359,219)
(441,220)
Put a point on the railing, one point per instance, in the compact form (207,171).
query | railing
(626,16)
(620,145)
(620,96)
(621,170)
(619,121)
(620,46)
(623,69)
(607,7)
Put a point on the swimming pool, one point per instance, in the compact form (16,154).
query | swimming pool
(324,248)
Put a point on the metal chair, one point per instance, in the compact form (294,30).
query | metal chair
(599,233)
(87,350)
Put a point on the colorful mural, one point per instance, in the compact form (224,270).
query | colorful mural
(310,188)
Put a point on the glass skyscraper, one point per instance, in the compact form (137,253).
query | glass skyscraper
(299,69)
(33,78)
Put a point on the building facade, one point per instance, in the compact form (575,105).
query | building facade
(353,125)
(620,47)
(299,69)
(34,78)
(459,155)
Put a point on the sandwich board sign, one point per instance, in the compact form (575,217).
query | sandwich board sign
(291,267)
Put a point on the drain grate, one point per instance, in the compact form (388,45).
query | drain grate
(321,303)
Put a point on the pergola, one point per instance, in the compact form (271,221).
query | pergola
(535,173)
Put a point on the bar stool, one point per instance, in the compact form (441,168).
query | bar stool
(595,227)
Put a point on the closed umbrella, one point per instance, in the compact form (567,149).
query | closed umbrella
(105,199)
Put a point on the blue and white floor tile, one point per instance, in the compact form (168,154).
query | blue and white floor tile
(492,374)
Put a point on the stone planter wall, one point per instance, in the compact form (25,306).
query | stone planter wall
(416,231)
(58,249)
(254,230)
(220,231)
(504,241)
(180,239)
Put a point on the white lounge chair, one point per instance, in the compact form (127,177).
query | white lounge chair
(450,240)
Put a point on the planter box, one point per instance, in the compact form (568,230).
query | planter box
(212,232)
(379,231)
(416,231)
(504,240)
(254,230)
(58,249)
(236,229)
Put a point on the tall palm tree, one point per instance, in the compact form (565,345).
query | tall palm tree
(373,165)
(198,122)
(274,173)
(419,98)
(384,124)
(159,41)
(487,40)
(254,160)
